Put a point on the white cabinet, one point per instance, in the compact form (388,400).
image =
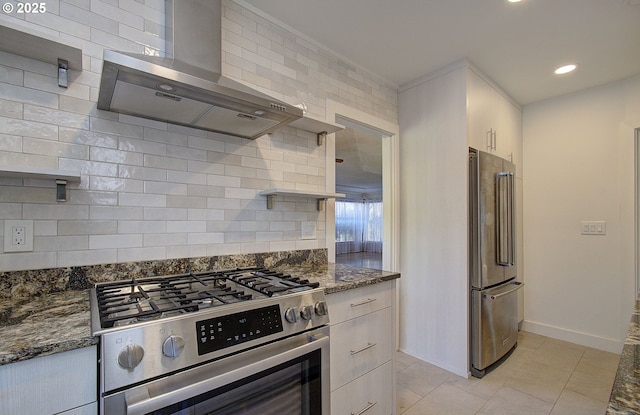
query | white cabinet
(362,350)
(493,121)
(369,395)
(61,383)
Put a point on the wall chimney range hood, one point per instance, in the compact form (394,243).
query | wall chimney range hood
(187,87)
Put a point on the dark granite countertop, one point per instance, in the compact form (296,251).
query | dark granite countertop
(44,325)
(60,321)
(625,395)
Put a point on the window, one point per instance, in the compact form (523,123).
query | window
(358,226)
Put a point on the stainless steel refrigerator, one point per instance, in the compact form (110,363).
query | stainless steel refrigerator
(492,260)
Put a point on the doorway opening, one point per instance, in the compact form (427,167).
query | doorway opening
(384,135)
(359,216)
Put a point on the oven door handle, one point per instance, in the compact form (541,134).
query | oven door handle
(139,400)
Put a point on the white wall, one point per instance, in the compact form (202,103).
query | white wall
(433,212)
(152,190)
(579,165)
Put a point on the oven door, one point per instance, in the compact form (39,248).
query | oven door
(287,377)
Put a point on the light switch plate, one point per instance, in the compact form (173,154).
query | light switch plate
(308,230)
(18,235)
(593,227)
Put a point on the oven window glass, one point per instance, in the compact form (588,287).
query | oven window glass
(293,388)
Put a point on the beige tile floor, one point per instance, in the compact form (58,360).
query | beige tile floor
(543,376)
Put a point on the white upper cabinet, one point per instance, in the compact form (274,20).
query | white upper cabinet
(494,123)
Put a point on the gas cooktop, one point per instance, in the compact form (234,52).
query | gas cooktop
(127,302)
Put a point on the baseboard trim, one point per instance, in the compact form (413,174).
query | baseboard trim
(583,339)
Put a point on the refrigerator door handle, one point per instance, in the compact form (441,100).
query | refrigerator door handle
(517,284)
(505,219)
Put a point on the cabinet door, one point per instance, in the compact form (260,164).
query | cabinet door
(481,118)
(370,391)
(360,345)
(50,384)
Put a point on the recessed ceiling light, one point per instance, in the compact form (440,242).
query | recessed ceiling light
(565,69)
(514,1)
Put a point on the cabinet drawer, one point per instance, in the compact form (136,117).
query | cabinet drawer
(360,345)
(374,390)
(346,305)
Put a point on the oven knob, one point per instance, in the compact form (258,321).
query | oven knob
(307,312)
(291,315)
(321,308)
(173,346)
(130,356)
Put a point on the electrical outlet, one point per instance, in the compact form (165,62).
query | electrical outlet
(18,235)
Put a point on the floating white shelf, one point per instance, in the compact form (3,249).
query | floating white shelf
(320,128)
(42,47)
(14,39)
(271,194)
(61,177)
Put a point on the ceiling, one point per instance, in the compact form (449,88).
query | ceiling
(517,45)
(361,168)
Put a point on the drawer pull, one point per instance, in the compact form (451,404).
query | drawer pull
(368,346)
(365,409)
(367,301)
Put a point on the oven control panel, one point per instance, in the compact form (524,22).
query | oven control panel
(221,332)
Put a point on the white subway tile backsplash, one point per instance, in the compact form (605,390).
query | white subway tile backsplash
(141,254)
(60,243)
(150,10)
(50,84)
(168,163)
(55,148)
(163,188)
(165,239)
(11,75)
(85,257)
(10,143)
(28,95)
(135,199)
(43,211)
(61,24)
(115,241)
(45,227)
(116,156)
(186,226)
(155,213)
(204,238)
(85,227)
(191,202)
(104,9)
(150,189)
(28,128)
(186,177)
(142,173)
(116,213)
(83,15)
(53,116)
(143,227)
(89,167)
(117,128)
(29,260)
(10,210)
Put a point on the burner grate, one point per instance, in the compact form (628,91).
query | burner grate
(137,300)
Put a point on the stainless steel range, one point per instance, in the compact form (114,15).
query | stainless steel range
(241,341)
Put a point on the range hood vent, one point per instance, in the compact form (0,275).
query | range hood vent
(187,87)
